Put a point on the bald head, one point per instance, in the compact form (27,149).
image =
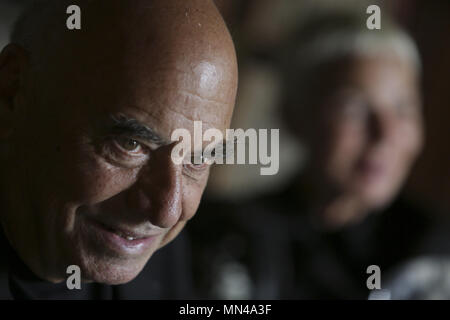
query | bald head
(140,35)
(42,25)
(90,113)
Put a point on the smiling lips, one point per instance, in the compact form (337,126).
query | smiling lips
(128,235)
(122,241)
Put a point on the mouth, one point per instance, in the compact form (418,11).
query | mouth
(125,234)
(119,240)
(371,168)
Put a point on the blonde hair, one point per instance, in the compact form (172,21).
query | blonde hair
(329,37)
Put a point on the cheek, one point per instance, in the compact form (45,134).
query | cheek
(409,139)
(94,180)
(172,234)
(405,149)
(346,143)
(192,194)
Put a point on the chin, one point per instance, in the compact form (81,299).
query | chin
(111,273)
(378,198)
(101,267)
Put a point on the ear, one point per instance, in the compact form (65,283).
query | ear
(13,60)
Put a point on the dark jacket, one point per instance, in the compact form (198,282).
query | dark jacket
(272,247)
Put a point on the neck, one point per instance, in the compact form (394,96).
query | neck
(339,212)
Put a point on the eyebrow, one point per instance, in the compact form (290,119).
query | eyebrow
(124,125)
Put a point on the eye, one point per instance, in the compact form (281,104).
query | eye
(195,166)
(128,144)
(197,160)
(123,151)
(355,109)
(195,172)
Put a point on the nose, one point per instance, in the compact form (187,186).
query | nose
(157,194)
(381,127)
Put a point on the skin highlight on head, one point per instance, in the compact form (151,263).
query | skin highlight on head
(157,66)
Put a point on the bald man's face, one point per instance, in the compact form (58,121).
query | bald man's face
(94,153)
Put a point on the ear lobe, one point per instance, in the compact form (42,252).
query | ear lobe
(12,63)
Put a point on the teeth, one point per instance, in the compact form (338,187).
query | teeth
(121,234)
(129,238)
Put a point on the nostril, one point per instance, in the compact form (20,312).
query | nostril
(161,207)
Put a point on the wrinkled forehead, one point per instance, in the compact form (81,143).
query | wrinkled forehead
(177,95)
(174,87)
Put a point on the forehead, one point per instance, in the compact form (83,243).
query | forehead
(163,94)
(174,96)
(382,81)
(383,72)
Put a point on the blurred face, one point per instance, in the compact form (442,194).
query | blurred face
(370,129)
(93,183)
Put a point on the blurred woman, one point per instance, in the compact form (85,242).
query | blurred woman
(352,97)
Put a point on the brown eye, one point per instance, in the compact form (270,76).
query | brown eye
(129,144)
(197,160)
